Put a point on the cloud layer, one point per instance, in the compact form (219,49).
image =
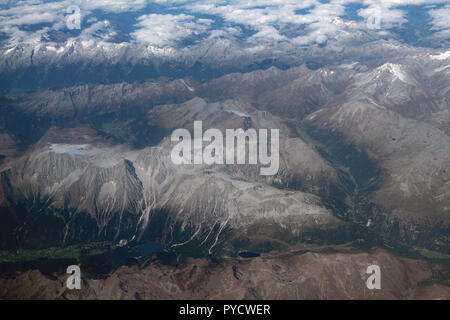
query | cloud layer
(299,23)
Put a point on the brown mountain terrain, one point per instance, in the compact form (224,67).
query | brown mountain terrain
(289,276)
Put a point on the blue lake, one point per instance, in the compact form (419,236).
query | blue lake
(149,248)
(248,254)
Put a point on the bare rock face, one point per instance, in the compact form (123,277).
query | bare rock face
(299,161)
(135,195)
(87,100)
(361,146)
(383,129)
(414,179)
(8,146)
(86,148)
(306,276)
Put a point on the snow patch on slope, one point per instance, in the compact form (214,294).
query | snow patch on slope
(397,72)
(441,56)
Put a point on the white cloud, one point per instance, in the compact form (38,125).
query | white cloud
(441,22)
(32,12)
(394,3)
(267,18)
(33,18)
(440,18)
(111,5)
(271,20)
(166,29)
(388,17)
